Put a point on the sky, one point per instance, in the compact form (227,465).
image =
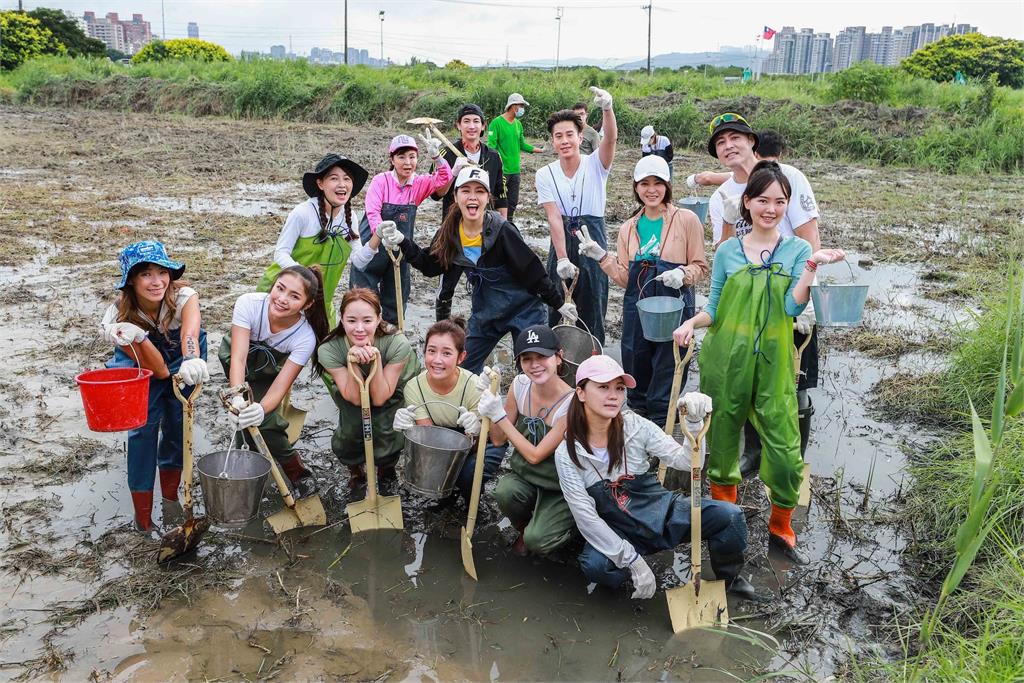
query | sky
(480,31)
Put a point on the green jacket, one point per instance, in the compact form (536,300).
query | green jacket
(509,140)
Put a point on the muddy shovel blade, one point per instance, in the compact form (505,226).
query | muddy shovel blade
(296,418)
(424,121)
(804,499)
(308,512)
(689,610)
(367,515)
(467,555)
(183,539)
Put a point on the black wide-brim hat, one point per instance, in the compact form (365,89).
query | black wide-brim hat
(354,170)
(737,126)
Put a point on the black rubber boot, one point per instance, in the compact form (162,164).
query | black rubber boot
(728,569)
(442,309)
(806,410)
(305,487)
(750,460)
(791,553)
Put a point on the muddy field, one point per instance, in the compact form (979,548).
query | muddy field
(83,599)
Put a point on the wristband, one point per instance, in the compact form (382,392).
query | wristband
(812,265)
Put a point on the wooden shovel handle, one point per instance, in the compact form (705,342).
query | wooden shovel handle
(478,470)
(695,495)
(282,485)
(677,380)
(189,411)
(447,143)
(364,407)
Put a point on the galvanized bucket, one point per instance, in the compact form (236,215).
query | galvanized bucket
(839,305)
(699,205)
(659,315)
(433,458)
(233,501)
(577,345)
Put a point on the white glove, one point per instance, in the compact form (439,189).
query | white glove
(591,249)
(691,181)
(569,312)
(643,579)
(405,418)
(390,236)
(602,98)
(238,403)
(491,406)
(461,163)
(432,145)
(194,371)
(674,278)
(469,421)
(696,405)
(805,321)
(565,269)
(731,209)
(250,415)
(123,334)
(483,380)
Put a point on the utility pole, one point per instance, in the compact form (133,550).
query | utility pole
(650,10)
(506,55)
(346,32)
(382,39)
(558,43)
(163,20)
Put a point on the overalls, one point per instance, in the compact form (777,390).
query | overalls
(640,510)
(377,275)
(591,293)
(651,363)
(500,305)
(746,364)
(530,496)
(159,441)
(330,254)
(263,363)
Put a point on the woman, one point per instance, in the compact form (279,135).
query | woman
(361,337)
(759,283)
(155,324)
(660,242)
(445,394)
(509,285)
(620,507)
(392,200)
(532,417)
(272,337)
(319,231)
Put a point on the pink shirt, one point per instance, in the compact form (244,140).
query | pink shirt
(385,188)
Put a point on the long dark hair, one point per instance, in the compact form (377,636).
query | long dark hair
(316,315)
(359,294)
(764,174)
(446,244)
(324,214)
(576,429)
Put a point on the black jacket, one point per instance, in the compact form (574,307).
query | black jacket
(490,161)
(502,246)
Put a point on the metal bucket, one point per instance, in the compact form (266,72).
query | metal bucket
(433,458)
(577,346)
(234,501)
(659,316)
(839,305)
(699,205)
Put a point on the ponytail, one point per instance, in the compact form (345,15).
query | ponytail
(446,243)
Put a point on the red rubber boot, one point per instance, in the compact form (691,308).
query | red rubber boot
(726,492)
(170,480)
(142,501)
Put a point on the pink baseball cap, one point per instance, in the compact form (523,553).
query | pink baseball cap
(401,141)
(603,369)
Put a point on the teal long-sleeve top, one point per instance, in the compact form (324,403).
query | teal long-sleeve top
(792,253)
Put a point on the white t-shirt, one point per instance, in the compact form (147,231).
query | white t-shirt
(304,221)
(180,299)
(298,341)
(474,156)
(802,205)
(586,191)
(660,143)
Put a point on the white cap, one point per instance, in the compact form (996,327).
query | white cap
(475,174)
(651,166)
(646,134)
(515,98)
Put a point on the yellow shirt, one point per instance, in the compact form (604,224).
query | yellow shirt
(464,394)
(472,247)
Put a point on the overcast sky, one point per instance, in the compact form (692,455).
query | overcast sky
(478,31)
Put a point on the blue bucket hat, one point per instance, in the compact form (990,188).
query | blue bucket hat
(149,251)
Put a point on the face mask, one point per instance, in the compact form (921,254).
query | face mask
(520,112)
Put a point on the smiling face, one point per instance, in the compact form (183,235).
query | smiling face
(538,367)
(603,399)
(404,161)
(287,297)
(470,126)
(767,208)
(149,283)
(734,148)
(442,357)
(336,186)
(472,200)
(360,321)
(566,139)
(651,191)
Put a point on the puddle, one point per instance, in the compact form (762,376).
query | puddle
(237,206)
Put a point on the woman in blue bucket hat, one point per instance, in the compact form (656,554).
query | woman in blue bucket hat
(155,323)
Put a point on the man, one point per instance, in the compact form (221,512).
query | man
(658,145)
(505,134)
(590,139)
(469,120)
(770,147)
(573,192)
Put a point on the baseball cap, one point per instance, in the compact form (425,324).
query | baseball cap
(646,134)
(537,339)
(728,121)
(401,142)
(515,98)
(473,174)
(603,369)
(651,166)
(470,109)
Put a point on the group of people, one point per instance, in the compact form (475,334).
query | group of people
(581,459)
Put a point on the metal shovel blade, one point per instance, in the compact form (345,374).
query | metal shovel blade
(367,515)
(467,555)
(182,539)
(308,512)
(689,610)
(804,499)
(296,418)
(424,121)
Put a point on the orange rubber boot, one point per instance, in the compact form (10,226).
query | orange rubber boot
(726,492)
(779,524)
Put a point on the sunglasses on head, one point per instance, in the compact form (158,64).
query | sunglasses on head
(725,118)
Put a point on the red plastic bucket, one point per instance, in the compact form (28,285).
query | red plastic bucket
(115,399)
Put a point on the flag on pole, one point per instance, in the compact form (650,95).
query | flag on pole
(769,33)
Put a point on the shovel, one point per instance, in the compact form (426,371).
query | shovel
(399,305)
(307,511)
(183,539)
(804,497)
(677,381)
(431,125)
(474,498)
(374,512)
(698,603)
(296,417)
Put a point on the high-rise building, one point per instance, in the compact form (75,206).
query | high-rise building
(821,54)
(802,51)
(193,29)
(278,52)
(136,32)
(848,48)
(120,35)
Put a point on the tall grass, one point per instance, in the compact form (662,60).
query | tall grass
(945,127)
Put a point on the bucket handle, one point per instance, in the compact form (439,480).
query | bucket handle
(593,340)
(853,276)
(639,294)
